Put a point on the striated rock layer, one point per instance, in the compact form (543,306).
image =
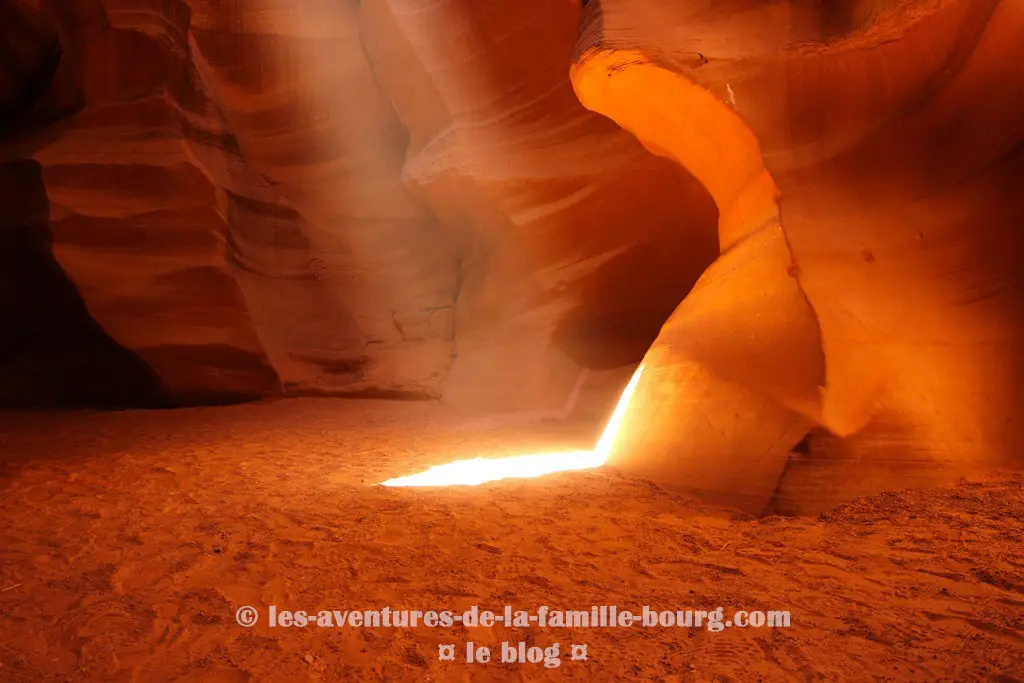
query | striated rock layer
(866,158)
(268,195)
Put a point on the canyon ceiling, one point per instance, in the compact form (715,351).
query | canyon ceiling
(806,217)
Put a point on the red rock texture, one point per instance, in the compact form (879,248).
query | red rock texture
(268,196)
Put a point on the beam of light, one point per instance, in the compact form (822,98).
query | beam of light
(481,470)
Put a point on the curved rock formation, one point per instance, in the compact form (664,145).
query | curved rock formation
(562,220)
(866,159)
(133,219)
(316,198)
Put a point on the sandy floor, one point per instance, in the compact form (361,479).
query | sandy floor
(128,541)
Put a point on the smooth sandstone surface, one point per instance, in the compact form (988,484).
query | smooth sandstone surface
(892,133)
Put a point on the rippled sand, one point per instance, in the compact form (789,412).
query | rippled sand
(128,541)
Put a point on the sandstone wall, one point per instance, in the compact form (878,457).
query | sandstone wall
(387,198)
(870,155)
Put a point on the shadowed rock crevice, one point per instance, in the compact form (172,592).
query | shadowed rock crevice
(37,90)
(621,307)
(52,352)
(30,53)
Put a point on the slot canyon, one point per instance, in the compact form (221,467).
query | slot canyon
(445,306)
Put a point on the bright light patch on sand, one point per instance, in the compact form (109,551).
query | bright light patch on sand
(481,470)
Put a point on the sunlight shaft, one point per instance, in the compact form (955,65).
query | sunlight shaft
(481,470)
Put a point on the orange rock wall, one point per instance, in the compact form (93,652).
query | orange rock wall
(891,137)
